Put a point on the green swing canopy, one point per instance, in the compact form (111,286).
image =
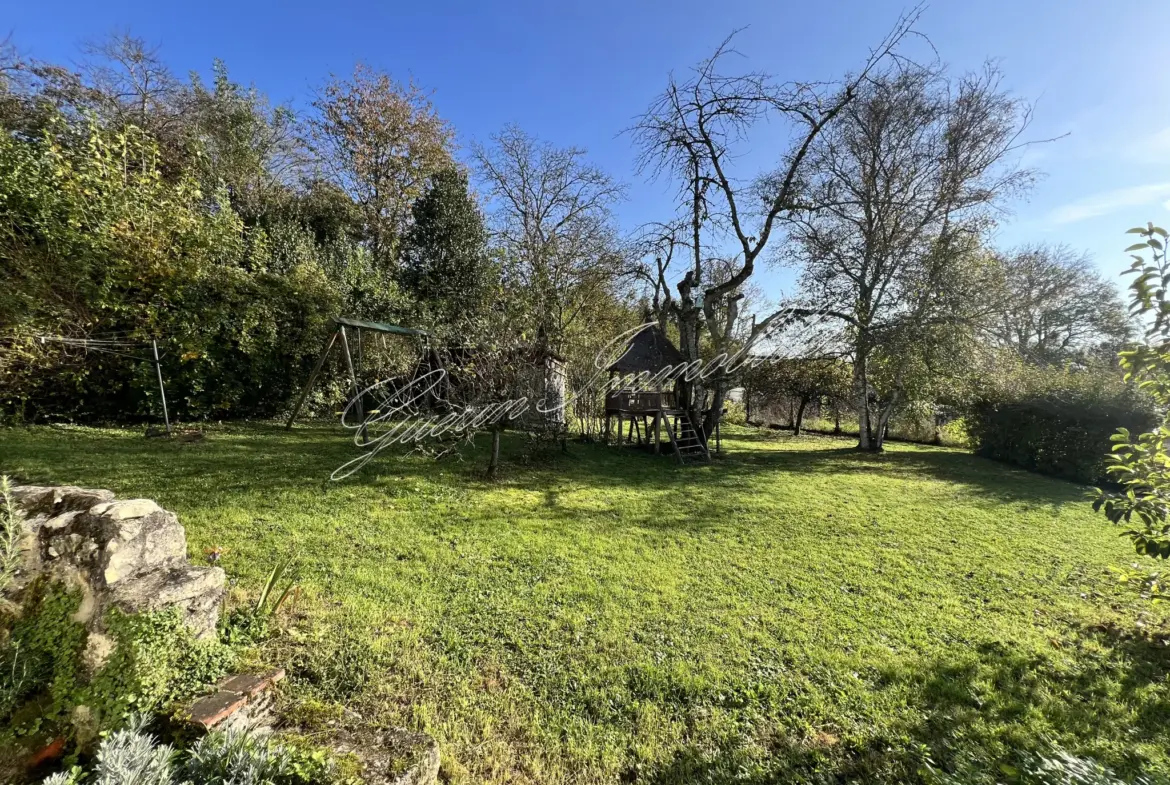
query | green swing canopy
(381,327)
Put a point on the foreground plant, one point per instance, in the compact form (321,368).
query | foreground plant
(1141,465)
(132,756)
(11,533)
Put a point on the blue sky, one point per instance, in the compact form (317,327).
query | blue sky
(576,74)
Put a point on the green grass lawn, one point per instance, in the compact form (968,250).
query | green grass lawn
(795,611)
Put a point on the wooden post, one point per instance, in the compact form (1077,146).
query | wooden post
(161,390)
(657,431)
(357,393)
(312,378)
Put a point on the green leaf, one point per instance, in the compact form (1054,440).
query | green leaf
(1137,247)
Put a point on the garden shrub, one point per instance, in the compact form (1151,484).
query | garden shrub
(1057,421)
(98,242)
(131,756)
(156,664)
(734,413)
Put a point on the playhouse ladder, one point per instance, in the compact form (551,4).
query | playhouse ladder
(688,447)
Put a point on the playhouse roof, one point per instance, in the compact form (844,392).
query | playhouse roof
(650,350)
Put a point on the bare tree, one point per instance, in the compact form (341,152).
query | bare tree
(14,79)
(552,216)
(131,83)
(1056,305)
(121,81)
(901,188)
(693,133)
(11,64)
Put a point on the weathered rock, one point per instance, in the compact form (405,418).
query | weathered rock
(137,545)
(197,591)
(51,500)
(98,648)
(129,553)
(126,510)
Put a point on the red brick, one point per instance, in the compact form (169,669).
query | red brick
(251,684)
(214,709)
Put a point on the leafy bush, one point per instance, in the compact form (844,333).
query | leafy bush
(1056,421)
(98,242)
(734,413)
(131,756)
(1139,463)
(234,757)
(156,663)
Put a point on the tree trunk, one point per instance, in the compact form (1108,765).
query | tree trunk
(494,461)
(836,419)
(799,417)
(878,440)
(715,412)
(692,393)
(882,431)
(865,433)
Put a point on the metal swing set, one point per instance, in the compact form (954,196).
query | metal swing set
(343,325)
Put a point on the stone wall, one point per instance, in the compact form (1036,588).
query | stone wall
(132,554)
(129,554)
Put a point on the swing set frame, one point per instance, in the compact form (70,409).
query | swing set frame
(342,325)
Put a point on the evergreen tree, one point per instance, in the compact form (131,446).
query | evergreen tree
(446,266)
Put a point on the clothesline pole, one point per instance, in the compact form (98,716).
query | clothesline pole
(161,389)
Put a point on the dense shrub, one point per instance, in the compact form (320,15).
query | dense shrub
(97,242)
(156,664)
(1056,421)
(131,756)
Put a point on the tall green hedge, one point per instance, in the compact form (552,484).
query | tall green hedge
(96,241)
(1060,427)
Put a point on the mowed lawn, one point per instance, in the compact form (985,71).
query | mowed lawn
(794,612)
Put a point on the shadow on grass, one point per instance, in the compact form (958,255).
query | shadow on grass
(1000,700)
(265,458)
(786,762)
(982,708)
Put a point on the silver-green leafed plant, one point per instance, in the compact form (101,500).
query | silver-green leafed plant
(11,533)
(133,757)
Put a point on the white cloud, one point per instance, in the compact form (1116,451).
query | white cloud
(1109,202)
